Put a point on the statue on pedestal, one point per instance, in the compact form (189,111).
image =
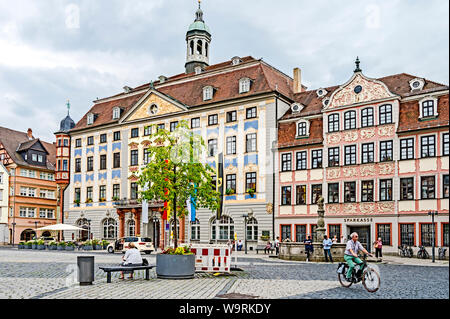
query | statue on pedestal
(320,231)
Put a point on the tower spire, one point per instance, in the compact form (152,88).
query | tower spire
(199,13)
(357,62)
(68,107)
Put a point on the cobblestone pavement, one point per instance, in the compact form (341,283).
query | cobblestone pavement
(39,274)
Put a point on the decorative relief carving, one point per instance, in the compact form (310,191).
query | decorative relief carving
(133,145)
(350,136)
(146,143)
(334,138)
(386,207)
(367,170)
(333,209)
(333,173)
(367,133)
(386,130)
(134,169)
(350,171)
(386,169)
(371,90)
(367,208)
(350,208)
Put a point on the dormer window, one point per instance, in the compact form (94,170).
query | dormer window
(116,113)
(417,84)
(295,108)
(208,92)
(302,128)
(90,119)
(428,107)
(326,101)
(321,92)
(236,60)
(244,85)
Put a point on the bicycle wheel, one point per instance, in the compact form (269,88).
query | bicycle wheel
(420,254)
(344,281)
(371,280)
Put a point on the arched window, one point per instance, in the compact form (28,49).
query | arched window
(367,117)
(349,120)
(333,122)
(206,49)
(191,47)
(131,228)
(222,229)
(195,230)
(252,229)
(199,47)
(83,234)
(109,228)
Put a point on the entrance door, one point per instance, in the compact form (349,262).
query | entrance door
(364,235)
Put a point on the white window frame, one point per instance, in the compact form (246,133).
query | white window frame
(116,113)
(208,93)
(435,104)
(307,128)
(90,119)
(244,85)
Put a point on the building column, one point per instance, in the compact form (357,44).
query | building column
(121,223)
(137,219)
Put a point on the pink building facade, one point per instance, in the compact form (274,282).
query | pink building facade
(379,158)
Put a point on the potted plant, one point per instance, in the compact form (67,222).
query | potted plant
(34,244)
(251,192)
(28,244)
(87,245)
(40,244)
(102,199)
(230,191)
(89,200)
(176,263)
(96,244)
(61,246)
(70,246)
(52,246)
(77,202)
(115,199)
(21,245)
(105,244)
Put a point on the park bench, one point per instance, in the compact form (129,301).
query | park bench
(263,248)
(111,269)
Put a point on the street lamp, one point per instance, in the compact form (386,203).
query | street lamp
(155,220)
(432,214)
(246,217)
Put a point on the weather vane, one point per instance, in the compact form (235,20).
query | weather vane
(68,106)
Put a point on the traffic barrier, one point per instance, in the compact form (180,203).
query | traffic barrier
(212,258)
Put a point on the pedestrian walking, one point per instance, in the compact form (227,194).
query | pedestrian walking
(327,243)
(378,244)
(277,245)
(309,249)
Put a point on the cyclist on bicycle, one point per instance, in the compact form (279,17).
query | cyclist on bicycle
(351,254)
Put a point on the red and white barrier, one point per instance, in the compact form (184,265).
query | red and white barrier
(212,258)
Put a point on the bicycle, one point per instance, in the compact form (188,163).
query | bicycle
(441,253)
(368,275)
(422,253)
(405,251)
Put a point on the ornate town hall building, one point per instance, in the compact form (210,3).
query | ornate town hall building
(233,105)
(377,150)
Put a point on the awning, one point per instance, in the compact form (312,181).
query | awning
(58,227)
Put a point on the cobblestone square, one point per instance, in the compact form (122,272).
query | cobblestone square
(52,275)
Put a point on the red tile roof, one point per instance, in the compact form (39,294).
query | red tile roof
(224,77)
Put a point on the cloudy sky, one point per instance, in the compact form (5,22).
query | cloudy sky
(55,50)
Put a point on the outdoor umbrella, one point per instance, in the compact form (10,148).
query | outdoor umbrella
(58,227)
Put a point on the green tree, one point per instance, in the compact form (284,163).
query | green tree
(175,172)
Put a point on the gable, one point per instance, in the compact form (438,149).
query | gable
(156,100)
(371,90)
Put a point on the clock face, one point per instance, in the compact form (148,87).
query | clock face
(358,89)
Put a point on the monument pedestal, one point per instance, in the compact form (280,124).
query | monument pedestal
(296,251)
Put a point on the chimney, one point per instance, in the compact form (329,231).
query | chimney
(30,134)
(297,81)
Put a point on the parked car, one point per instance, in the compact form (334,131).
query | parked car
(144,244)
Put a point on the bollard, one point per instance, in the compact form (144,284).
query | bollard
(85,270)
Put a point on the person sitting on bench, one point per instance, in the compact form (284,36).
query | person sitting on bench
(132,257)
(268,247)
